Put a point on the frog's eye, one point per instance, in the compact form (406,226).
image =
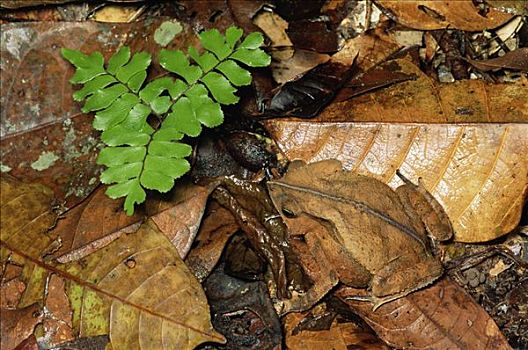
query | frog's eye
(288,212)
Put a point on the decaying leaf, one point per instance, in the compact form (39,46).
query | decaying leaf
(274,27)
(301,62)
(339,336)
(442,316)
(478,172)
(423,100)
(434,14)
(131,289)
(142,288)
(516,60)
(25,208)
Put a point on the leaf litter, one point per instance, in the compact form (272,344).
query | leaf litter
(463,141)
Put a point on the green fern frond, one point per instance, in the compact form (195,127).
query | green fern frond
(137,155)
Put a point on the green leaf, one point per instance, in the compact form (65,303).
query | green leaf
(253,58)
(119,136)
(88,67)
(92,86)
(252,41)
(139,62)
(137,156)
(213,41)
(160,172)
(236,74)
(155,88)
(115,113)
(136,119)
(121,173)
(220,87)
(169,149)
(233,34)
(206,61)
(161,104)
(137,80)
(112,156)
(133,192)
(167,134)
(118,60)
(210,114)
(103,98)
(177,62)
(177,89)
(182,118)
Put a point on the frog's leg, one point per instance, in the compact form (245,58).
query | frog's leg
(393,282)
(395,278)
(426,208)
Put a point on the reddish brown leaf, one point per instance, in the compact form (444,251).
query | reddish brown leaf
(17,325)
(44,136)
(99,220)
(93,224)
(442,316)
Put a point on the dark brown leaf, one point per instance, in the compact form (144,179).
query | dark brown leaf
(516,60)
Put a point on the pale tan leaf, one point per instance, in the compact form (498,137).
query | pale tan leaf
(478,172)
(439,14)
(146,295)
(137,288)
(442,316)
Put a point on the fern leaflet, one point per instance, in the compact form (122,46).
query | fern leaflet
(137,155)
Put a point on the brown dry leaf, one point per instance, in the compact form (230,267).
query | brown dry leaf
(45,138)
(179,216)
(215,230)
(93,224)
(99,220)
(340,336)
(117,14)
(439,14)
(16,325)
(423,100)
(516,59)
(442,316)
(301,62)
(478,172)
(274,26)
(366,50)
(11,292)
